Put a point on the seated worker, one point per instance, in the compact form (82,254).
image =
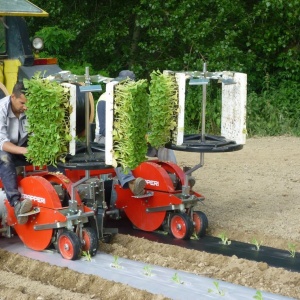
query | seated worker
(136,185)
(13,142)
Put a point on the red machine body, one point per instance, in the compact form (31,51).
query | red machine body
(168,203)
(69,210)
(163,200)
(52,216)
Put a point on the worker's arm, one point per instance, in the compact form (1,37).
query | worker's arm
(12,148)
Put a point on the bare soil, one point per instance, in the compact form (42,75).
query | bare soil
(250,194)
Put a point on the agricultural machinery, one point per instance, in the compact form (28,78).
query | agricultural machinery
(71,206)
(69,211)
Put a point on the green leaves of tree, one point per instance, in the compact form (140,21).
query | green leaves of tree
(48,117)
(259,37)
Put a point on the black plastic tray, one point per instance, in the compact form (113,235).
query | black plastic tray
(210,144)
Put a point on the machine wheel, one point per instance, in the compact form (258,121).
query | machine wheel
(69,245)
(90,240)
(181,226)
(200,223)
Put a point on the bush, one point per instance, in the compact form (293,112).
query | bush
(275,111)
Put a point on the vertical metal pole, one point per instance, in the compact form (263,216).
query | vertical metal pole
(203,105)
(203,115)
(87,111)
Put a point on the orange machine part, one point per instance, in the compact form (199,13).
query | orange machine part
(40,191)
(65,182)
(35,239)
(156,175)
(158,182)
(136,208)
(44,196)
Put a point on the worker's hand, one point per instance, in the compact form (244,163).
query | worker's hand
(14,149)
(23,150)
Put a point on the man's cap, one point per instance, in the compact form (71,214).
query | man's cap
(124,74)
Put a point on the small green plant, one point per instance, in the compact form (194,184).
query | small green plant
(115,263)
(292,249)
(256,243)
(224,238)
(147,270)
(258,295)
(194,236)
(217,289)
(177,279)
(86,255)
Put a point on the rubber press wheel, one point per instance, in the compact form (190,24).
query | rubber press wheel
(181,226)
(90,240)
(200,223)
(69,245)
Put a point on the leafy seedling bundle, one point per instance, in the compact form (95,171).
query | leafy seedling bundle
(163,109)
(48,111)
(130,123)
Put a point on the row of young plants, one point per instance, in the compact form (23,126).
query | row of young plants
(291,247)
(148,271)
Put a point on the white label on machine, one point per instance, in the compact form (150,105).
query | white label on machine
(72,144)
(234,99)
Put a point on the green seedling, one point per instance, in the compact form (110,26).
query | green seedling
(257,244)
(147,270)
(115,263)
(86,255)
(177,279)
(258,295)
(194,236)
(292,249)
(217,289)
(224,238)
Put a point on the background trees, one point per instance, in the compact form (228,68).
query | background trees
(258,37)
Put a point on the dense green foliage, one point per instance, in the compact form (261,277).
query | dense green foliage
(259,37)
(130,123)
(163,109)
(48,118)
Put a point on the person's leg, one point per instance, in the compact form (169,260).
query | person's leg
(123,177)
(8,176)
(165,154)
(127,180)
(101,117)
